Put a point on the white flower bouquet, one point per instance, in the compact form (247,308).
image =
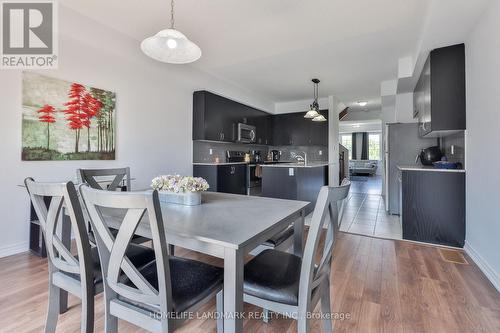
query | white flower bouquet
(178,189)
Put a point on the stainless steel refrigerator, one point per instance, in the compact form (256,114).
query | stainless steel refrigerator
(402,144)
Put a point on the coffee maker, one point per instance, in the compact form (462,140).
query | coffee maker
(275,155)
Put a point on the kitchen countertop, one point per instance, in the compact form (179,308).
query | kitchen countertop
(297,165)
(221,163)
(426,168)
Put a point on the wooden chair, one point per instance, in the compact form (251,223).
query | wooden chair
(93,178)
(287,284)
(77,274)
(150,295)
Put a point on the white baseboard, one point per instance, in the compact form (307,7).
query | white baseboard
(13,249)
(483,265)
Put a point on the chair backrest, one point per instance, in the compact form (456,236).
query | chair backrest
(325,214)
(91,177)
(63,196)
(134,207)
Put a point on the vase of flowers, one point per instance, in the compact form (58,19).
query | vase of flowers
(183,190)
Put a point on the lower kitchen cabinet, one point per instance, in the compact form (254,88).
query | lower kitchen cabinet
(224,178)
(294,183)
(433,207)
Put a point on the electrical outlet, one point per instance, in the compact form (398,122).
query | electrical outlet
(290,172)
(210,151)
(320,152)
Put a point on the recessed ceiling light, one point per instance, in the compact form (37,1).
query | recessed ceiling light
(362,103)
(356,125)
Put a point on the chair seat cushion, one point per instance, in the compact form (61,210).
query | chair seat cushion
(138,254)
(191,280)
(273,275)
(280,237)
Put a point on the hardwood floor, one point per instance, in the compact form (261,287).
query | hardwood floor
(382,285)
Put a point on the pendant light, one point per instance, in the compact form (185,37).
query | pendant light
(170,45)
(314,107)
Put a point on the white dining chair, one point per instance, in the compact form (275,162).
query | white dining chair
(156,297)
(288,284)
(80,273)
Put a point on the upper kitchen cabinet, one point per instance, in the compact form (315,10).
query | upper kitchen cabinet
(216,118)
(292,129)
(439,96)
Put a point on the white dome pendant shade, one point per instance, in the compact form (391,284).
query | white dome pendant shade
(311,114)
(170,45)
(319,118)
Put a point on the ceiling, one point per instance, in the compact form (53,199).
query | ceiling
(275,47)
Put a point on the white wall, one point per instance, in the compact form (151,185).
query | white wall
(483,136)
(404,108)
(299,106)
(154,113)
(362,115)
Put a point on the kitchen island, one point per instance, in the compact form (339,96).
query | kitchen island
(295,181)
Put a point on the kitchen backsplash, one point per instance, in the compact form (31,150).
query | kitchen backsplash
(314,153)
(201,151)
(457,141)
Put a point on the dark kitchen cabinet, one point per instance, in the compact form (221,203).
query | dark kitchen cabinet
(223,178)
(433,207)
(232,179)
(439,96)
(216,118)
(292,129)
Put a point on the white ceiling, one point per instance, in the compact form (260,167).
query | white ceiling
(274,47)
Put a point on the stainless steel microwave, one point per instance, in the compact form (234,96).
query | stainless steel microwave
(246,133)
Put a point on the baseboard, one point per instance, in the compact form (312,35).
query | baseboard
(13,249)
(483,266)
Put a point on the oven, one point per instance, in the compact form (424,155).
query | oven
(246,133)
(254,179)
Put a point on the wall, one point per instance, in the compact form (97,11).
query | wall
(154,112)
(362,115)
(482,138)
(457,153)
(404,108)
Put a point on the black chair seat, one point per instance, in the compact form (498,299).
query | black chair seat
(191,281)
(280,237)
(273,275)
(139,255)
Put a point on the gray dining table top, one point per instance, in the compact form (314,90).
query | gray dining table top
(227,220)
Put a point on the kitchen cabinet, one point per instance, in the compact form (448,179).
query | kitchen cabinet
(439,96)
(294,183)
(292,129)
(433,207)
(225,178)
(216,118)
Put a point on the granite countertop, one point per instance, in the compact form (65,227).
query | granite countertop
(297,165)
(426,168)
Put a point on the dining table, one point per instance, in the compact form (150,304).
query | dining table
(227,226)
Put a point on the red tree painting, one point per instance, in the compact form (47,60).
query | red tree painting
(46,115)
(80,109)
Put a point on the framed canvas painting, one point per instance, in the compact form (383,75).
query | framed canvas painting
(66,120)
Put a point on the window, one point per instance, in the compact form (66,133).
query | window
(346,141)
(374,146)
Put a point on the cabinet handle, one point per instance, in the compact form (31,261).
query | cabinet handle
(233,170)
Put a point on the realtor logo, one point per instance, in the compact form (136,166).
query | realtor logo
(29,34)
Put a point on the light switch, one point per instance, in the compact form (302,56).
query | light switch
(210,151)
(290,172)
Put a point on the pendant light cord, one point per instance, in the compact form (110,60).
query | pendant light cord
(172,20)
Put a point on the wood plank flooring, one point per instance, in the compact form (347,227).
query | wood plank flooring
(381,285)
